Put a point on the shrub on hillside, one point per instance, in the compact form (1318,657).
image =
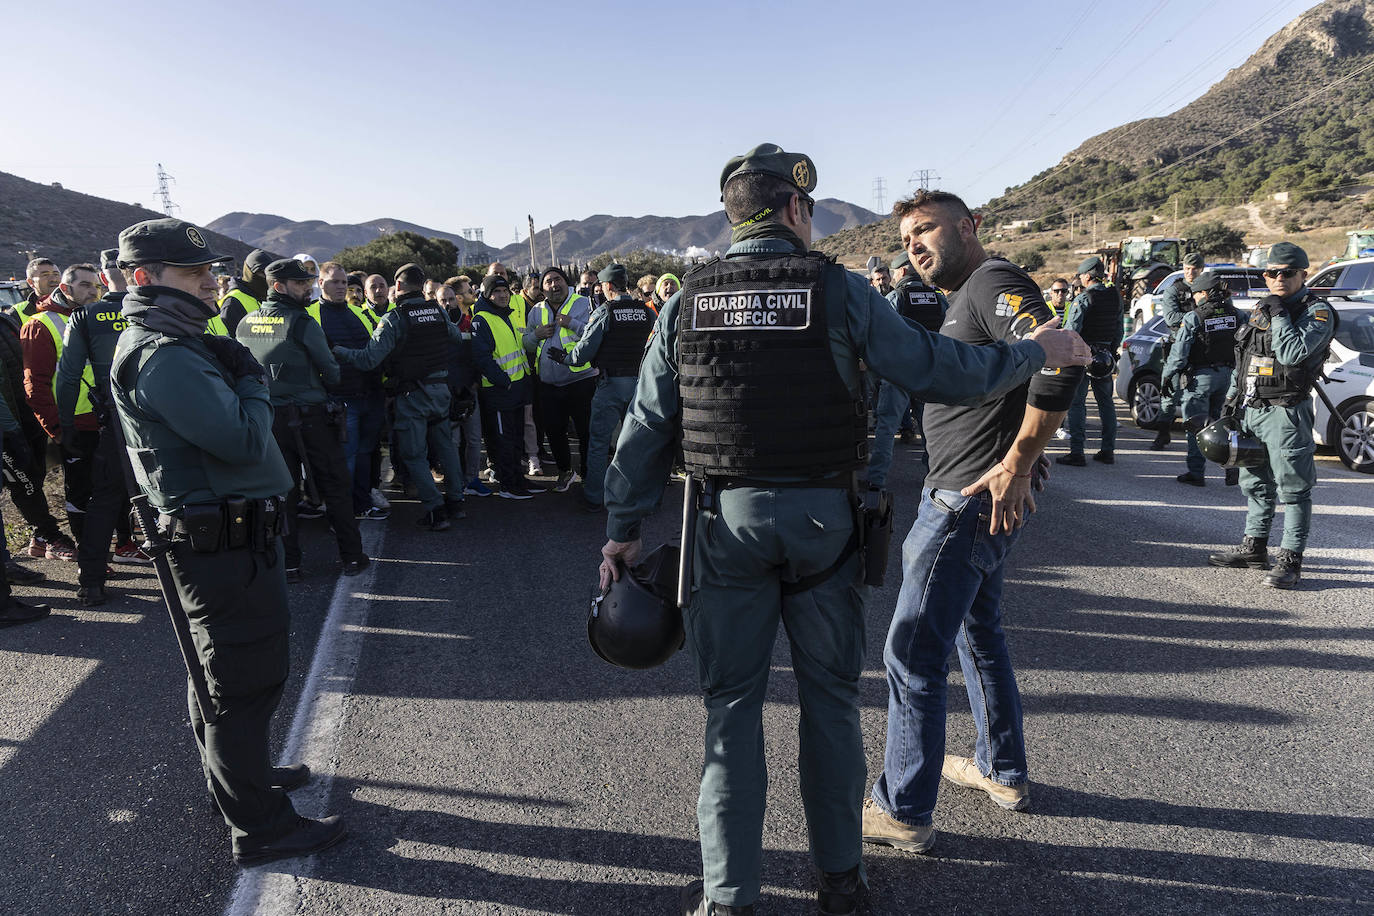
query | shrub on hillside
(1218,239)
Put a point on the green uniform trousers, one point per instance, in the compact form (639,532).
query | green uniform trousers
(1287,477)
(1203,400)
(753,542)
(421,426)
(236,602)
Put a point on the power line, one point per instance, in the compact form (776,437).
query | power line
(879,195)
(164,193)
(923,177)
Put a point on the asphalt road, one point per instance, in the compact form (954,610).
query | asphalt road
(1197,743)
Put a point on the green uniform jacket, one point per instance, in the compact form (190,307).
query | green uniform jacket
(193,436)
(387,336)
(863,325)
(89,339)
(1296,337)
(299,367)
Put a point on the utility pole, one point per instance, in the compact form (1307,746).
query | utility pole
(533,262)
(923,177)
(164,193)
(1175,216)
(879,195)
(552,258)
(1070,227)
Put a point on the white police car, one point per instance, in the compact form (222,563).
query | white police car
(1350,386)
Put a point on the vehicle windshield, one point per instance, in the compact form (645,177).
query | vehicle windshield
(1359,242)
(1136,251)
(1165,251)
(1356,329)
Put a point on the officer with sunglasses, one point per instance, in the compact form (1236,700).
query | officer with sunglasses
(1279,356)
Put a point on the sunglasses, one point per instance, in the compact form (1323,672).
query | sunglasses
(1283,273)
(1061,291)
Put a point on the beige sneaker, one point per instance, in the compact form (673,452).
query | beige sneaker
(962,771)
(885,830)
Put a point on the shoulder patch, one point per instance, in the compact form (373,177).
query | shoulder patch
(1008,303)
(1321,313)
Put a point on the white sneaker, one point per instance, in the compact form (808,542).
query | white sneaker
(535,469)
(378,500)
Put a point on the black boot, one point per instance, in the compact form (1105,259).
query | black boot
(1162,440)
(1252,552)
(309,837)
(14,612)
(1072,459)
(694,903)
(840,892)
(1196,480)
(1105,457)
(1287,569)
(434,520)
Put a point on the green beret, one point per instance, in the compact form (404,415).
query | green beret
(769,159)
(902,260)
(288,269)
(615,274)
(166,241)
(411,274)
(1207,280)
(256,262)
(1286,254)
(1194,259)
(1091,265)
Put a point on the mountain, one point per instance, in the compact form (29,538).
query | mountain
(581,240)
(324,240)
(1296,120)
(68,226)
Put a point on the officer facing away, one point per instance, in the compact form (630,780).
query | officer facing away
(755,348)
(613,341)
(197,421)
(1176,302)
(1200,364)
(1279,356)
(293,348)
(246,291)
(1097,315)
(412,339)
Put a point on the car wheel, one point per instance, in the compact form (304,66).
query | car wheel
(1145,400)
(1355,436)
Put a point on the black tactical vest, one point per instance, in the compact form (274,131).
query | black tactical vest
(628,323)
(1265,377)
(921,304)
(424,351)
(1102,316)
(1215,342)
(101,322)
(761,394)
(271,334)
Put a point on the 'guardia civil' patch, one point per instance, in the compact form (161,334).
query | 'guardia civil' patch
(752,310)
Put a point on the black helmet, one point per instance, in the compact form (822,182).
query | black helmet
(1224,443)
(1104,362)
(636,622)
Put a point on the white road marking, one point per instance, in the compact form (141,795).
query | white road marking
(314,737)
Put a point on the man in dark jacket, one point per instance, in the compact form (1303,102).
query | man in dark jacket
(499,331)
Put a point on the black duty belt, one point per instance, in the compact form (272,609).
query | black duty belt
(236,523)
(841,481)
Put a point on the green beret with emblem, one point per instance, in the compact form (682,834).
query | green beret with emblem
(1206,281)
(166,241)
(288,269)
(1286,254)
(109,258)
(769,159)
(1092,265)
(256,263)
(1194,259)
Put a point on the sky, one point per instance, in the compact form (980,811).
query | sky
(457,115)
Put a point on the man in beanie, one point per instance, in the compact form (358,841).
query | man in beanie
(565,391)
(246,291)
(197,420)
(1280,353)
(754,366)
(613,342)
(1097,314)
(498,330)
(1175,302)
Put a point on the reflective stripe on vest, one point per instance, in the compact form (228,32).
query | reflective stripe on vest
(216,327)
(51,321)
(508,352)
(566,338)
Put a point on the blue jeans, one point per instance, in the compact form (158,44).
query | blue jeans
(951,596)
(1078,413)
(364,419)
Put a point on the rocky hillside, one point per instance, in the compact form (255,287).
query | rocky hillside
(68,226)
(324,240)
(581,240)
(1315,77)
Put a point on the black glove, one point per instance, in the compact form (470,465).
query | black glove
(237,358)
(557,354)
(17,447)
(1166,386)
